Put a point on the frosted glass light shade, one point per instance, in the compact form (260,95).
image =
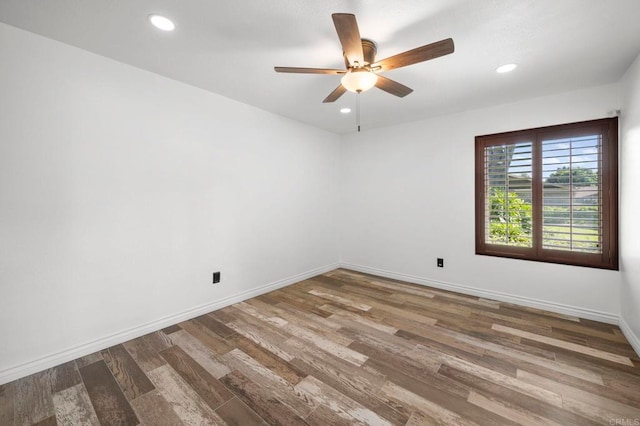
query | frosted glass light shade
(359,80)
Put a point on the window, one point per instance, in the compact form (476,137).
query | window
(550,194)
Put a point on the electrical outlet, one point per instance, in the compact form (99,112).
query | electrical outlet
(440,262)
(216,277)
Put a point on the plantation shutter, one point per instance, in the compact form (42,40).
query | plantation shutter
(549,194)
(572,193)
(508,185)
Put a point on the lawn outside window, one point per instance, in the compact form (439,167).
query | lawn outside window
(550,194)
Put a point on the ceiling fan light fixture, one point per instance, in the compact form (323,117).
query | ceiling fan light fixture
(359,80)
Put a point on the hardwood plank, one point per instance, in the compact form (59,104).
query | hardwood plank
(290,313)
(509,411)
(374,293)
(423,353)
(442,340)
(211,340)
(189,407)
(337,312)
(322,416)
(432,410)
(7,392)
(73,407)
(110,404)
(614,389)
(401,313)
(126,371)
(420,381)
(536,315)
(582,360)
(263,338)
(600,413)
(520,353)
(222,315)
(32,399)
(49,421)
(566,345)
(64,376)
(340,300)
(354,387)
(387,342)
(358,383)
(327,345)
(276,364)
(369,379)
(171,329)
(260,400)
(274,332)
(144,354)
(522,400)
(419,418)
(341,405)
(214,325)
(236,413)
(88,359)
(569,392)
(279,388)
(622,384)
(586,331)
(299,299)
(157,341)
(200,353)
(497,364)
(208,387)
(153,409)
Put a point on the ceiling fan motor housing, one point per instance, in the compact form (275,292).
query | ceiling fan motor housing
(369,50)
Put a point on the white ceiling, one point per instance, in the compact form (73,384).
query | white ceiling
(231,47)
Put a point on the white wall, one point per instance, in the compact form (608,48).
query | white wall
(630,204)
(408,198)
(122,191)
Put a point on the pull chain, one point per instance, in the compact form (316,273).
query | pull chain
(358,110)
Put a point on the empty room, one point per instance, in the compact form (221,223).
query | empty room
(319,213)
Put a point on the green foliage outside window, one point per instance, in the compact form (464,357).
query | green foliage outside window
(510,218)
(577,176)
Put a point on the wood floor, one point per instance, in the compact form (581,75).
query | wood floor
(347,348)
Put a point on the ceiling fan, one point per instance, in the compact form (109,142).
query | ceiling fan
(362,69)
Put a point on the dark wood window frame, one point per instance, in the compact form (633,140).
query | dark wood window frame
(608,258)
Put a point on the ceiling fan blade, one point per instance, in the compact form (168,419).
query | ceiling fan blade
(419,54)
(393,87)
(308,70)
(333,96)
(349,35)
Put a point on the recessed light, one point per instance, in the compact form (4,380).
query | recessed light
(345,110)
(506,68)
(162,22)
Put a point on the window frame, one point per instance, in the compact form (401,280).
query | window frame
(608,259)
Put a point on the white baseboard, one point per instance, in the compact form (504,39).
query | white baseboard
(633,338)
(488,294)
(51,360)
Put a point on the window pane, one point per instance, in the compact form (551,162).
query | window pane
(508,183)
(572,194)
